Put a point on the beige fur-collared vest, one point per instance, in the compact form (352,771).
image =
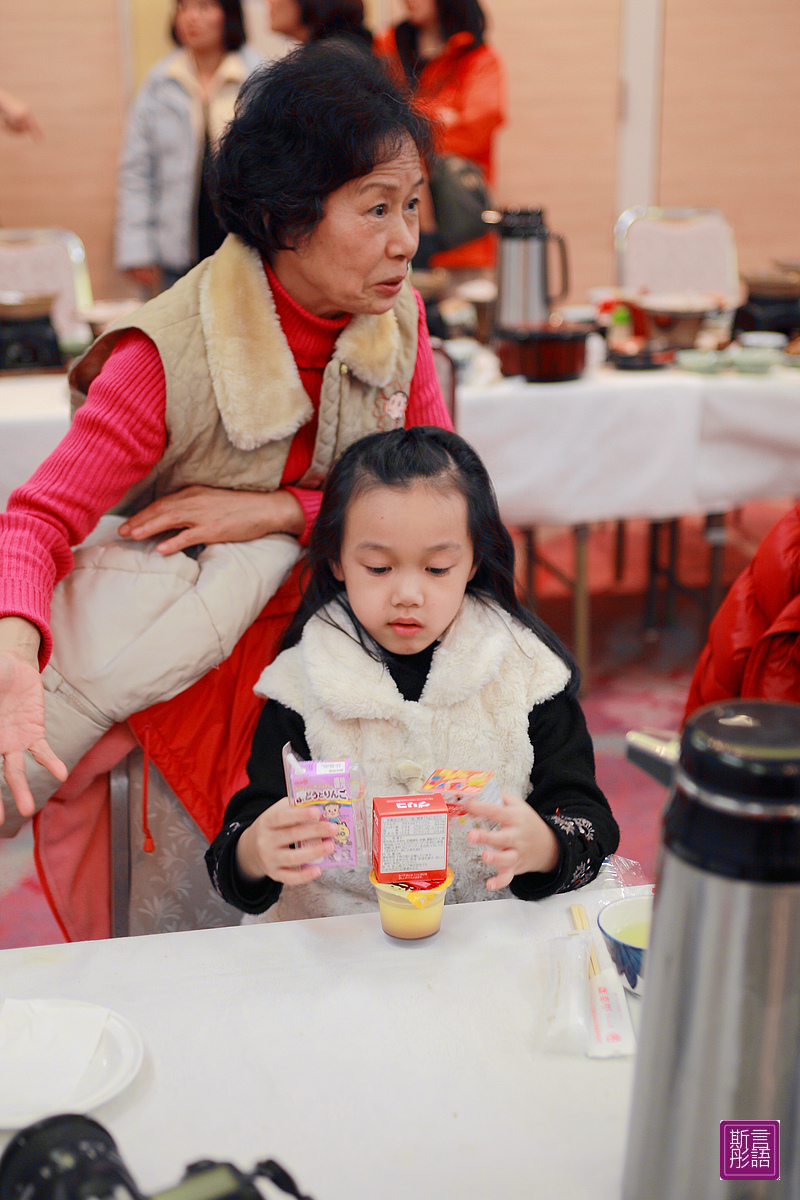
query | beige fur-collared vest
(234,395)
(486,675)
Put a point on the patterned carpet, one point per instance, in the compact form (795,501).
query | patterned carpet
(636,680)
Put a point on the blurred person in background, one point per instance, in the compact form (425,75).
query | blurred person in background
(439,51)
(313,20)
(17,117)
(165,221)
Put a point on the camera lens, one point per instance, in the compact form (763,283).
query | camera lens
(63,1157)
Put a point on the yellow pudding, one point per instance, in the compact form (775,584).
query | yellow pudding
(410,913)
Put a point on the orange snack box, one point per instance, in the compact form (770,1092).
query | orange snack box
(409,839)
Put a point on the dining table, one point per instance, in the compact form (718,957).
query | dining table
(366,1065)
(34,416)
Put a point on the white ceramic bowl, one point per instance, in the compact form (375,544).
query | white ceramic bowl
(762,339)
(625,926)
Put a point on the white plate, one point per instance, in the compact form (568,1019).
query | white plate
(115,1062)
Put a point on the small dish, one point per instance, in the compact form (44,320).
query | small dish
(114,1064)
(755,360)
(625,926)
(790,360)
(704,362)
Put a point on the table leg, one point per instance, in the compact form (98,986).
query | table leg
(119,797)
(716,536)
(581,601)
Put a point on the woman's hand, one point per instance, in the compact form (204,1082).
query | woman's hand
(272,845)
(22,712)
(206,515)
(523,842)
(17,116)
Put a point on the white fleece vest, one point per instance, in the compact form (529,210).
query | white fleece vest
(486,675)
(234,395)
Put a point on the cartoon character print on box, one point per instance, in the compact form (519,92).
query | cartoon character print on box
(336,787)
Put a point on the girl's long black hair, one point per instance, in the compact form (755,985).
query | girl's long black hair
(399,459)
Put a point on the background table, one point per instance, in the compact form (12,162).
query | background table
(368,1067)
(34,416)
(617,445)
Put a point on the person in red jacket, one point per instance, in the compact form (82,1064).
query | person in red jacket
(753,647)
(459,81)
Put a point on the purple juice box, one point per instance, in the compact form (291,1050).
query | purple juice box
(337,789)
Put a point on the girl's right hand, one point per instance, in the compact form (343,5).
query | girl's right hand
(271,846)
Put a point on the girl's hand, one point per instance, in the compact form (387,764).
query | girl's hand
(523,842)
(266,848)
(206,514)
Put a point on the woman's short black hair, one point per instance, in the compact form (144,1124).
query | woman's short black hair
(233,35)
(304,126)
(455,16)
(398,460)
(334,18)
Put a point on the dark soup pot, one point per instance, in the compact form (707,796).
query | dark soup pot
(544,353)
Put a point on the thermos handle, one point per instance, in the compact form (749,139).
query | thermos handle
(655,751)
(562,247)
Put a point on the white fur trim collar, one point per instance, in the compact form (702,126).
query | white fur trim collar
(256,382)
(471,653)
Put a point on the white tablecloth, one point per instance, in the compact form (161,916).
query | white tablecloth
(621,444)
(368,1067)
(34,416)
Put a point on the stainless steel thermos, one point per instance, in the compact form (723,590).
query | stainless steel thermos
(718,1059)
(523,293)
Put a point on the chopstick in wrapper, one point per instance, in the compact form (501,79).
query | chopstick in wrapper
(611,1034)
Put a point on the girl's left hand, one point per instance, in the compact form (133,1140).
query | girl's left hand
(207,515)
(522,842)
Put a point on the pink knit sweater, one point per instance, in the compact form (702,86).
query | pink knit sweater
(118,436)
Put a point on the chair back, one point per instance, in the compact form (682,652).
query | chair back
(677,250)
(446,374)
(49,262)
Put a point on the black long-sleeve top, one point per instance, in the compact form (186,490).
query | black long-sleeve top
(563,791)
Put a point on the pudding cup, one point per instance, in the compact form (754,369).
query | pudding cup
(408,912)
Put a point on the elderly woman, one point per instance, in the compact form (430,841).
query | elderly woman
(215,414)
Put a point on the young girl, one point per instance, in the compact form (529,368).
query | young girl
(410,652)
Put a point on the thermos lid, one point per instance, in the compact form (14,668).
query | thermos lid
(735,804)
(522,223)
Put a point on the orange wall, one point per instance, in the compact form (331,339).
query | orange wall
(64,57)
(558,151)
(731,119)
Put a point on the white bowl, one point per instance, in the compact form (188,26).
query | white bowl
(625,926)
(763,339)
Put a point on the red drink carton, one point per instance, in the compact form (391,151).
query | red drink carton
(409,839)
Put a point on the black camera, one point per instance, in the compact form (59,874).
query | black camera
(71,1157)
